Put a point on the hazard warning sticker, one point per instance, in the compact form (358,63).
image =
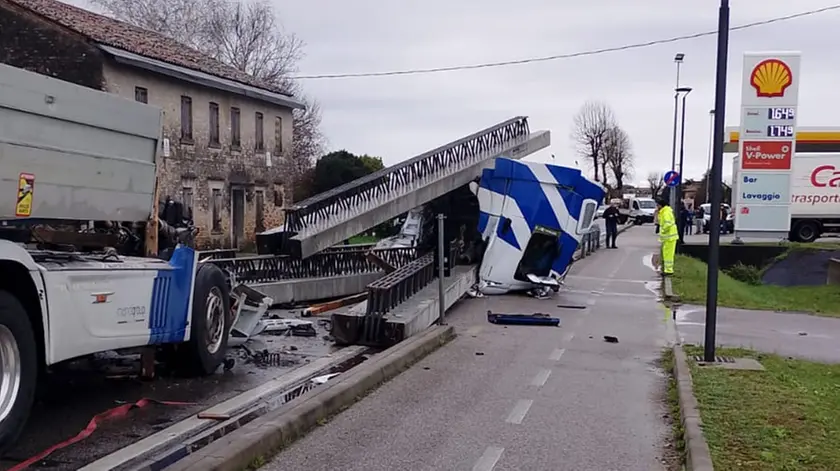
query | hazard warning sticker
(26,187)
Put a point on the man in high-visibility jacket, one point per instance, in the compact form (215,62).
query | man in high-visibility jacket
(668,235)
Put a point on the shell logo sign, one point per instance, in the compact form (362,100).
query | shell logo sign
(771,78)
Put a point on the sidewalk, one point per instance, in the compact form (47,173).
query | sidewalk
(522,398)
(784,333)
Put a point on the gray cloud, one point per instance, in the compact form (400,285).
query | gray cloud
(398,117)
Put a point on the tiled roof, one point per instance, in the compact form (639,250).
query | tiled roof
(118,34)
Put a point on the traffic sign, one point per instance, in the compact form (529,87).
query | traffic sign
(671,178)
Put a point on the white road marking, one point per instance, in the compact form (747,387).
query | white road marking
(647,261)
(569,337)
(488,460)
(590,302)
(540,378)
(557,354)
(520,409)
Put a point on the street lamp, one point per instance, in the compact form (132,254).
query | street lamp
(678,59)
(715,177)
(681,222)
(711,146)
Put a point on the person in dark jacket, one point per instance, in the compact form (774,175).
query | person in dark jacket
(611,215)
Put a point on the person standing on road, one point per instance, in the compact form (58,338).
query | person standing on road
(611,222)
(668,235)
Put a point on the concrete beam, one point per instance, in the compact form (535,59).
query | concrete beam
(312,289)
(363,221)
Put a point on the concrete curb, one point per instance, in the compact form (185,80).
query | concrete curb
(697,454)
(253,444)
(668,287)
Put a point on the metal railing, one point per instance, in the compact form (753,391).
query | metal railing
(268,268)
(590,242)
(393,289)
(216,254)
(464,152)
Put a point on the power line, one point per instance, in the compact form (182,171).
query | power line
(571,55)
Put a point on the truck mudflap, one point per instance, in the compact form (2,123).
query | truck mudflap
(170,310)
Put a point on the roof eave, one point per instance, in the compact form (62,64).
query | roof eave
(200,78)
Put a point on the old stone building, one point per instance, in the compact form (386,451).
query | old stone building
(225,133)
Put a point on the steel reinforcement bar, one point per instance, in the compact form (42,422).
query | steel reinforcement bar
(322,207)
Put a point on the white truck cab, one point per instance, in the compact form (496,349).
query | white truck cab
(78,157)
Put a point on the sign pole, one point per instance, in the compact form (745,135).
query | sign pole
(715,182)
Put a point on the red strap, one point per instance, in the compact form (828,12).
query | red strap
(91,427)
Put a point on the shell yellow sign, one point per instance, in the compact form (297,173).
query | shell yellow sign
(771,78)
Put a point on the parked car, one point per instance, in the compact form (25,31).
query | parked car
(730,218)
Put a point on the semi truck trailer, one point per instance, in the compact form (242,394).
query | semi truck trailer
(815,194)
(78,211)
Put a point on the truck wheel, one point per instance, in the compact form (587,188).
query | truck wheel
(805,231)
(210,322)
(622,219)
(18,369)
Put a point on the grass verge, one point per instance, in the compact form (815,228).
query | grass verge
(363,239)
(786,418)
(673,401)
(689,284)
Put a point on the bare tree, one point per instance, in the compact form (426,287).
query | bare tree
(655,183)
(247,36)
(590,127)
(618,155)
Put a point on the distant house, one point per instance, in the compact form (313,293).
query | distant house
(225,133)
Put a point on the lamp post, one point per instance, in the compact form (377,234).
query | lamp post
(711,146)
(715,177)
(678,59)
(681,222)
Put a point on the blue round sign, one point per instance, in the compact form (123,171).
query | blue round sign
(671,178)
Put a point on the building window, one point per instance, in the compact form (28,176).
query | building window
(235,136)
(278,196)
(259,142)
(186,119)
(259,207)
(278,135)
(188,199)
(141,95)
(217,209)
(214,125)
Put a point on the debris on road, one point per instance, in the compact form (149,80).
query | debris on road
(332,305)
(610,339)
(523,319)
(296,327)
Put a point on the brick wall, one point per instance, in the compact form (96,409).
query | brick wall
(201,167)
(29,42)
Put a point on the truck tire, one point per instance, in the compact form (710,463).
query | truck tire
(210,322)
(805,231)
(18,369)
(622,219)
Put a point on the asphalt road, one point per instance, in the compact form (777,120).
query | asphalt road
(70,398)
(784,333)
(522,398)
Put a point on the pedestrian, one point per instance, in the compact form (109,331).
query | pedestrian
(685,220)
(611,215)
(668,236)
(689,220)
(723,214)
(698,220)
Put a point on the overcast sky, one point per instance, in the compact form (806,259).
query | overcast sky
(399,117)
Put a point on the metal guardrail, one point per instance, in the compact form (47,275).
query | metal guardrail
(268,268)
(393,289)
(324,206)
(590,242)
